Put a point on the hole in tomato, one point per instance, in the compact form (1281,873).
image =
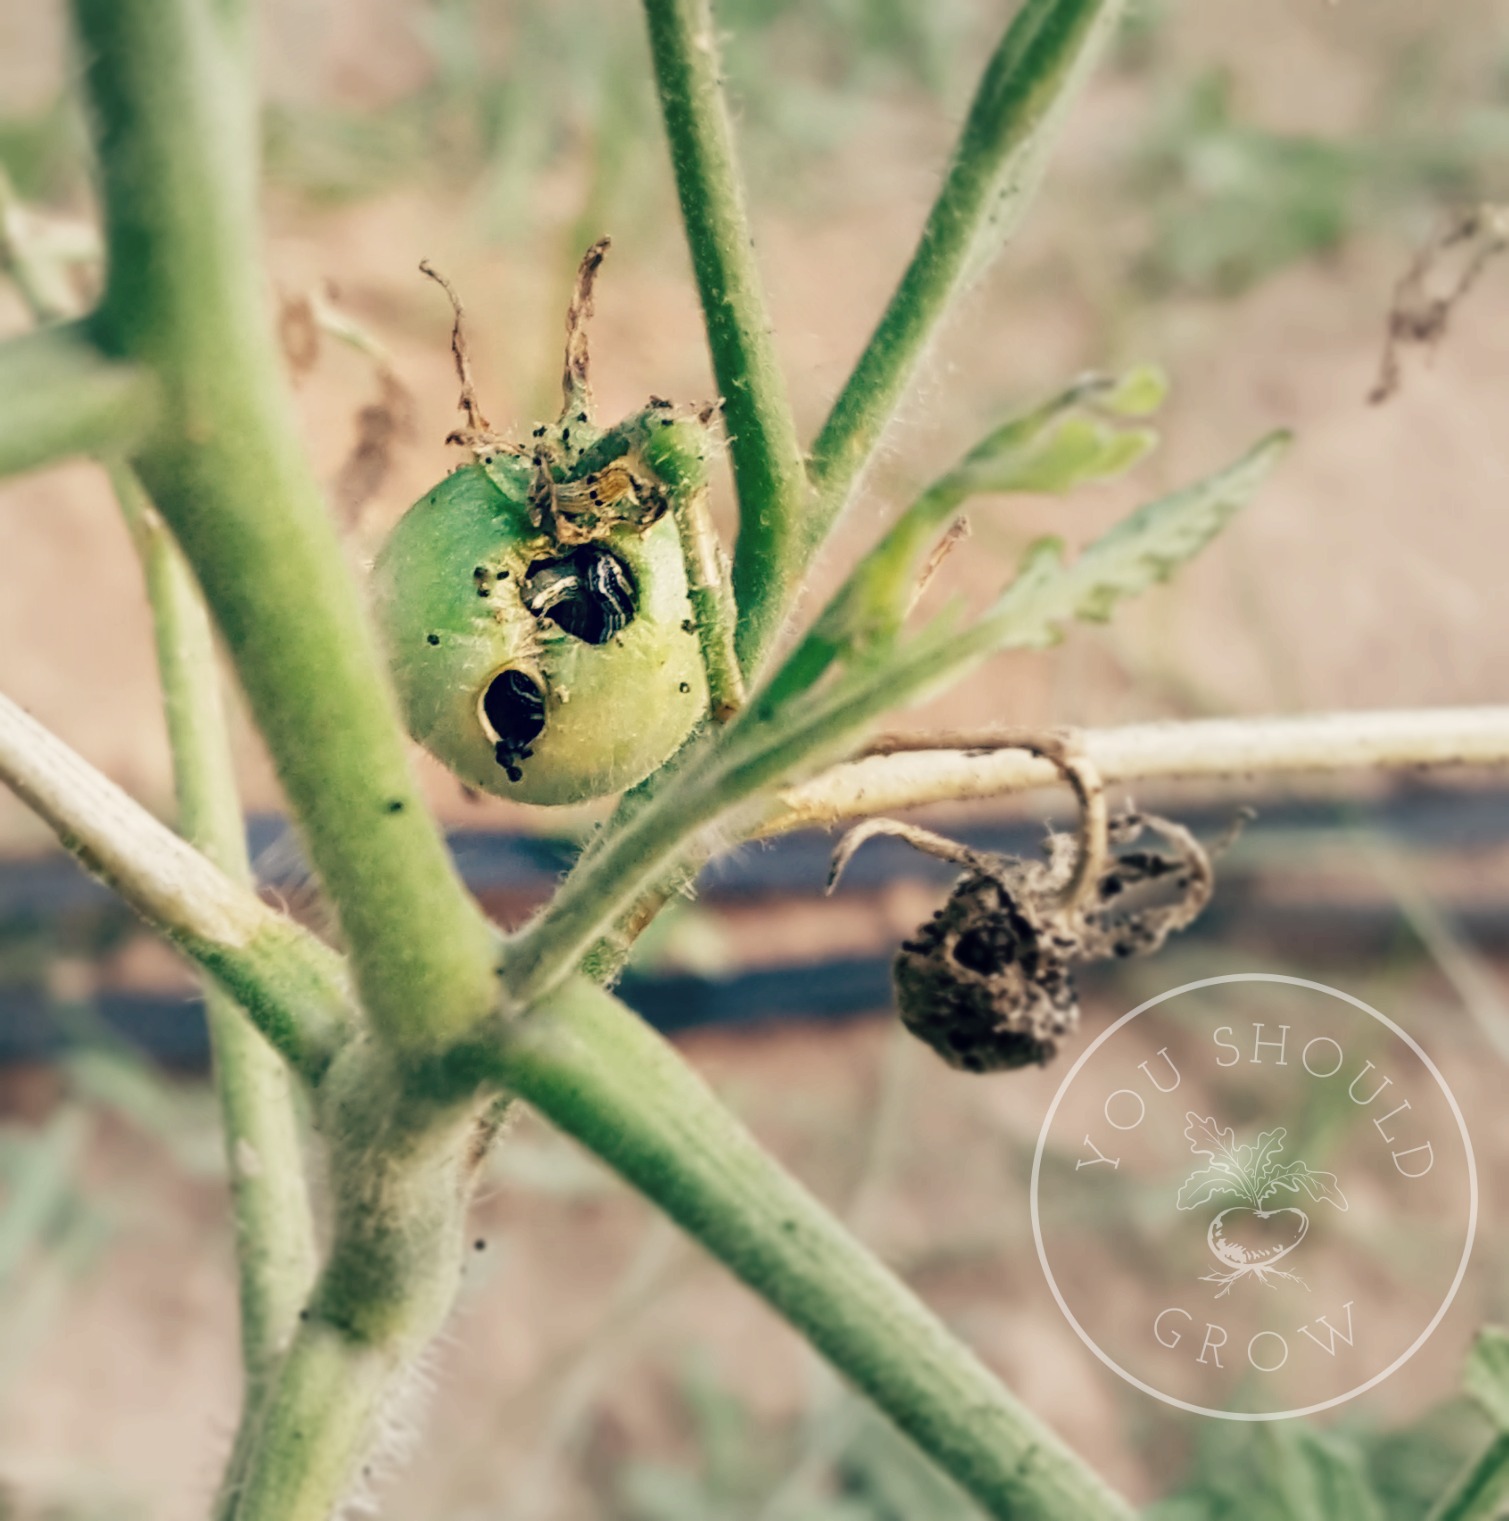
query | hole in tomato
(588,593)
(513,709)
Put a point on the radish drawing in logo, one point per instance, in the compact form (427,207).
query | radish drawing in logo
(1245,1237)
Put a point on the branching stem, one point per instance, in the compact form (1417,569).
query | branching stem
(620,1090)
(909,773)
(294,988)
(762,441)
(275,1250)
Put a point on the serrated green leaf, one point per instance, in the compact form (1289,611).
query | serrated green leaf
(1080,448)
(1487,1375)
(1139,552)
(795,718)
(1071,440)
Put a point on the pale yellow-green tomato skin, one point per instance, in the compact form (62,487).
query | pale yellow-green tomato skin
(614,712)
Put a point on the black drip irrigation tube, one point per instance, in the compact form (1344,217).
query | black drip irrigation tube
(48,901)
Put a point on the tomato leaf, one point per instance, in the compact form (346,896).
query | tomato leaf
(1078,436)
(1143,549)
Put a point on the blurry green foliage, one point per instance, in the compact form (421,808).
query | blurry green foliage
(43,151)
(50,1232)
(1230,202)
(1288,1471)
(1487,1377)
(1227,201)
(844,1463)
(804,76)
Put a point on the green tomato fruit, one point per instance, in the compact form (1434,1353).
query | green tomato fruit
(537,663)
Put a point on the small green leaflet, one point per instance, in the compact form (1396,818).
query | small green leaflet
(1140,551)
(1046,593)
(1078,437)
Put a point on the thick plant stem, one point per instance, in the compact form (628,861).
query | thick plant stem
(321,1413)
(174,114)
(762,440)
(63,397)
(269,1196)
(293,986)
(401,1169)
(1018,109)
(619,1089)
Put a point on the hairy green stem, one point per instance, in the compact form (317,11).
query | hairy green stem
(176,124)
(707,588)
(63,397)
(321,1412)
(625,1094)
(762,441)
(294,988)
(1018,109)
(274,1228)
(402,1169)
(270,1199)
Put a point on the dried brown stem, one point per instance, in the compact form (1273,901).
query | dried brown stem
(1060,750)
(477,426)
(1419,319)
(576,388)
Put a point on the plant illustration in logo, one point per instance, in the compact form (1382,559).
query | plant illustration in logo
(1254,1174)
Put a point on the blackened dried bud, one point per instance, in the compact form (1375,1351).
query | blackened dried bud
(988,981)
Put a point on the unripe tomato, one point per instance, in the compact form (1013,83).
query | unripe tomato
(535,612)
